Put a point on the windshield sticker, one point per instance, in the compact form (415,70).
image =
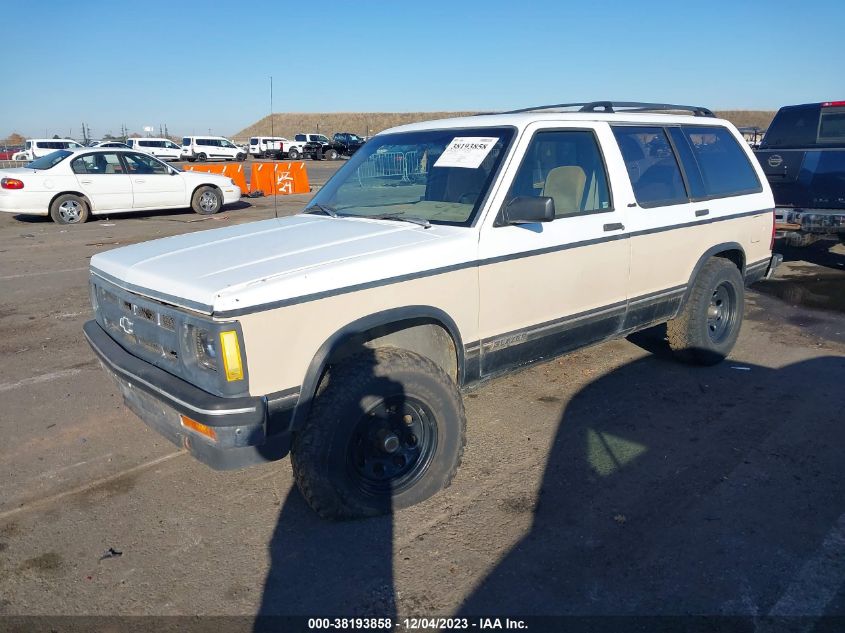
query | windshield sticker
(466,151)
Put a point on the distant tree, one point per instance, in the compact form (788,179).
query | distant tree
(108,137)
(15,139)
(56,136)
(134,135)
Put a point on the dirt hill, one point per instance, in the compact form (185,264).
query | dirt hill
(364,123)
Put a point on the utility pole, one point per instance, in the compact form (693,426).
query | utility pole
(160,133)
(166,133)
(272,126)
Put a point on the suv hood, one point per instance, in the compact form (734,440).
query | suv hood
(273,261)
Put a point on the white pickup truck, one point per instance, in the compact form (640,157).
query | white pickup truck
(274,147)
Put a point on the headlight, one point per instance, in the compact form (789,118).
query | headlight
(206,349)
(212,347)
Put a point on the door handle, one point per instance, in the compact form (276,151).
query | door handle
(86,182)
(140,180)
(617,226)
(702,212)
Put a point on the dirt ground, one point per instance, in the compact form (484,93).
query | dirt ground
(613,481)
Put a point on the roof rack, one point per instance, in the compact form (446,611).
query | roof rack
(612,106)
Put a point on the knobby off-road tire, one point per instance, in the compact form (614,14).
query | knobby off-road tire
(706,330)
(69,209)
(385,432)
(207,201)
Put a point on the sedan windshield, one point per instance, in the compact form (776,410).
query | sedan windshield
(437,175)
(50,160)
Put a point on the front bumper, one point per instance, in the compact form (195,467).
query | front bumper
(249,430)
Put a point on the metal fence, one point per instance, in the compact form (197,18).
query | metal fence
(404,166)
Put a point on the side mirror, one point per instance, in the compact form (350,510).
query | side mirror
(528,210)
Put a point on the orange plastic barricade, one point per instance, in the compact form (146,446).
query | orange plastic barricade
(279,178)
(235,171)
(207,167)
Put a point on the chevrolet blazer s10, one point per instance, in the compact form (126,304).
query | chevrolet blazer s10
(440,255)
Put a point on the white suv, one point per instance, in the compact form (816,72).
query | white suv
(161,148)
(442,254)
(204,148)
(38,147)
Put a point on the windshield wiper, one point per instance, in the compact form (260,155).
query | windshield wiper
(321,207)
(401,218)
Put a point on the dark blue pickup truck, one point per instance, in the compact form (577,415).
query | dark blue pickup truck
(803,155)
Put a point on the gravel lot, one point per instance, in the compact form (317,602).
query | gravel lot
(612,481)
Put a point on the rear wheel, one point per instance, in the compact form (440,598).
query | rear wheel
(241,157)
(706,330)
(386,432)
(207,201)
(332,154)
(293,154)
(69,209)
(202,158)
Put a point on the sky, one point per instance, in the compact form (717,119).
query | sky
(199,66)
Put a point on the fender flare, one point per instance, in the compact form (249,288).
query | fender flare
(394,315)
(710,252)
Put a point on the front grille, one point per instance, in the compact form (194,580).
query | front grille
(144,328)
(164,336)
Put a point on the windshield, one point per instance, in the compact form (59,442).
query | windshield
(437,175)
(50,160)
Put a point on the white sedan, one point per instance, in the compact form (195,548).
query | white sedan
(70,185)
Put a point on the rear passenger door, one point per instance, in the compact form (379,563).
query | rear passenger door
(693,190)
(550,287)
(102,179)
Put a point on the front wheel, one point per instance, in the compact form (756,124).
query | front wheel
(387,432)
(202,158)
(69,209)
(293,154)
(332,154)
(207,201)
(706,330)
(240,157)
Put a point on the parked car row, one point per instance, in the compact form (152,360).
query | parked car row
(314,146)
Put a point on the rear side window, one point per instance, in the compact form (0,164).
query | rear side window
(100,163)
(793,126)
(832,125)
(652,166)
(725,168)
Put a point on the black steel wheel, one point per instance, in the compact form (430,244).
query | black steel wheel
(386,431)
(392,445)
(706,329)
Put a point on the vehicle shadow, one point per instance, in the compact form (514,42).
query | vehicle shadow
(822,253)
(331,568)
(676,490)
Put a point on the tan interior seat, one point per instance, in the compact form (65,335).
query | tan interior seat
(565,185)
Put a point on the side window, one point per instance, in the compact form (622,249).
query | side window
(567,167)
(299,138)
(100,163)
(143,164)
(186,140)
(832,125)
(652,166)
(694,182)
(725,168)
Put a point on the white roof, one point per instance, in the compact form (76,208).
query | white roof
(522,119)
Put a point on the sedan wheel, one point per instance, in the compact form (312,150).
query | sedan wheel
(69,209)
(207,201)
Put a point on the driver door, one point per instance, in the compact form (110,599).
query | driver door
(154,184)
(550,287)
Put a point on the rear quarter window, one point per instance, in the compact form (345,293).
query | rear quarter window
(725,168)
